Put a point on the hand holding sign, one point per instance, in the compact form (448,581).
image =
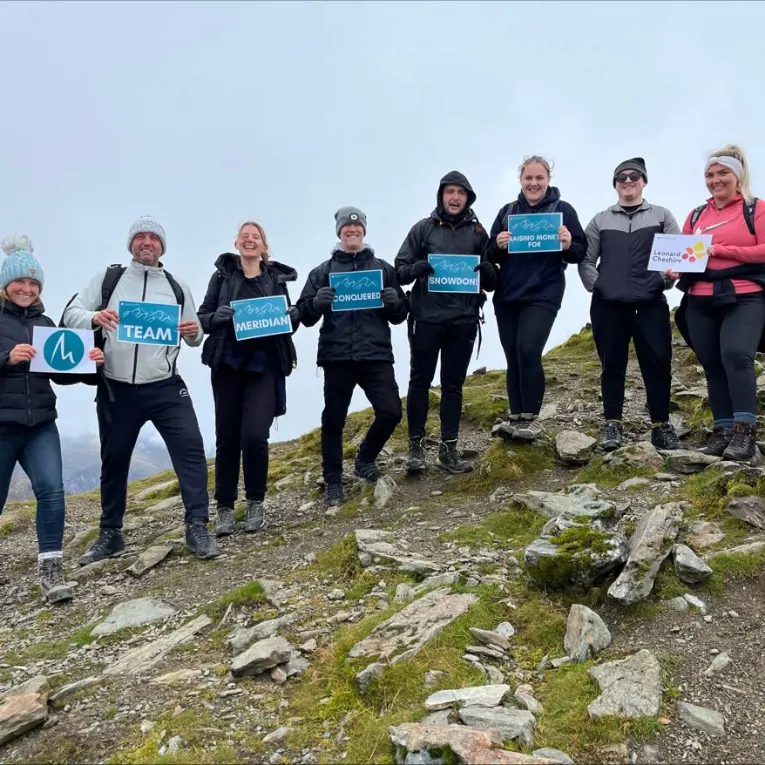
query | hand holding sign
(188,328)
(565,237)
(503,237)
(108,319)
(20,354)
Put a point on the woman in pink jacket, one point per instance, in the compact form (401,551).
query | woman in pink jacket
(722,315)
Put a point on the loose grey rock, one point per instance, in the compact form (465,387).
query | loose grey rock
(403,592)
(385,488)
(688,462)
(586,634)
(554,504)
(689,567)
(21,713)
(701,718)
(437,718)
(133,613)
(241,638)
(704,534)
(489,638)
(648,547)
(296,665)
(514,724)
(505,629)
(574,447)
(524,694)
(278,675)
(432,676)
(677,604)
(751,510)
(277,736)
(639,455)
(696,602)
(261,656)
(555,755)
(384,545)
(630,687)
(74,687)
(479,695)
(719,663)
(148,559)
(369,673)
(633,483)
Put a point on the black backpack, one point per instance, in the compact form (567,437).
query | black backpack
(749,210)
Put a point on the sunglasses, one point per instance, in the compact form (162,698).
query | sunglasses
(623,177)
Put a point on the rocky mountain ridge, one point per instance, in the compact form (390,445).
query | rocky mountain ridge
(555,605)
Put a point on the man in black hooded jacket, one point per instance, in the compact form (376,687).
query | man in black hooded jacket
(441,322)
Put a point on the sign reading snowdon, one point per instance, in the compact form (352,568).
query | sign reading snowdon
(684,253)
(261,317)
(149,323)
(355,290)
(534,233)
(454,273)
(64,351)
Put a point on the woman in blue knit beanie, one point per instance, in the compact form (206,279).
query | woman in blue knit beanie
(28,432)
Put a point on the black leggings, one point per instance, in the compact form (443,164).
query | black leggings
(725,340)
(523,332)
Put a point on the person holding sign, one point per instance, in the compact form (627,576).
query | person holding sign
(28,432)
(142,383)
(628,303)
(247,315)
(356,296)
(722,314)
(443,255)
(530,287)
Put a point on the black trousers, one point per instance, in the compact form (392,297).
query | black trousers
(245,407)
(454,343)
(377,380)
(725,340)
(167,405)
(523,332)
(614,326)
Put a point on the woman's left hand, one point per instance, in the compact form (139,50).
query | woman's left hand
(711,250)
(565,237)
(97,355)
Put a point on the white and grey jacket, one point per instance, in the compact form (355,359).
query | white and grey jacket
(128,362)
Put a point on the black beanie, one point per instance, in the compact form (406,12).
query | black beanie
(636,163)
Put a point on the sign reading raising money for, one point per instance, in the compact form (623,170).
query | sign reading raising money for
(261,317)
(536,232)
(356,290)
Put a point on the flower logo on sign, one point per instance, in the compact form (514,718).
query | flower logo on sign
(697,252)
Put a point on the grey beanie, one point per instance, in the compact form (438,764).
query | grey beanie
(146,223)
(636,163)
(346,215)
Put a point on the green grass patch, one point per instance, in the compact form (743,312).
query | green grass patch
(516,527)
(607,477)
(733,567)
(250,594)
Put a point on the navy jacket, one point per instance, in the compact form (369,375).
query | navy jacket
(535,278)
(26,398)
(362,335)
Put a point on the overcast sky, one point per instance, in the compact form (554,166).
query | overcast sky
(204,114)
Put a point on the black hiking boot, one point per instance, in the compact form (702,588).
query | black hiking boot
(416,462)
(450,460)
(200,541)
(334,496)
(109,544)
(224,521)
(718,443)
(613,432)
(664,437)
(366,470)
(255,516)
(52,583)
(743,445)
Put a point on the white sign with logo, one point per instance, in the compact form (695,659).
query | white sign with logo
(62,351)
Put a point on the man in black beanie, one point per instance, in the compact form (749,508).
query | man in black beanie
(629,304)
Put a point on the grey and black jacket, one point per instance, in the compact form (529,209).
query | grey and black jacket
(618,248)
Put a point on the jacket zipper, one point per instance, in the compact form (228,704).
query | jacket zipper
(26,374)
(135,352)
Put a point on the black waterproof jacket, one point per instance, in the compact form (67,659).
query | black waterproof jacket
(362,335)
(26,398)
(441,233)
(224,288)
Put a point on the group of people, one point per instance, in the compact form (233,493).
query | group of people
(721,317)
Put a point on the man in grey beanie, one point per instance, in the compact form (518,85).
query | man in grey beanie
(354,349)
(142,385)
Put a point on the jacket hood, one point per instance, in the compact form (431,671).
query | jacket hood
(340,254)
(552,195)
(8,306)
(456,178)
(228,262)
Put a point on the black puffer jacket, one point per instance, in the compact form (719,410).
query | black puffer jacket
(441,233)
(26,398)
(223,288)
(362,335)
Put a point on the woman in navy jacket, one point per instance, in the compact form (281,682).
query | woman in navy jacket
(529,294)
(248,376)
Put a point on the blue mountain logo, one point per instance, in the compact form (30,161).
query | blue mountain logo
(363,283)
(154,316)
(63,350)
(260,309)
(534,226)
(455,267)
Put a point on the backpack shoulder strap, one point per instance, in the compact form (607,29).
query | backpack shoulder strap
(109,284)
(177,289)
(696,214)
(749,210)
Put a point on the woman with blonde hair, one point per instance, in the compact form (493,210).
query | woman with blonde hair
(28,432)
(248,376)
(722,315)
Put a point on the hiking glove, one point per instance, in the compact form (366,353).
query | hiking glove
(223,314)
(486,274)
(323,299)
(294,313)
(422,268)
(390,298)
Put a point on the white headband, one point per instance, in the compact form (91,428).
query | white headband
(730,162)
